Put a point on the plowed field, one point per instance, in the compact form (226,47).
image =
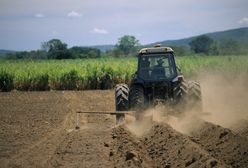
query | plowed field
(37,129)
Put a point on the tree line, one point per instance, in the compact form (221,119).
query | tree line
(56,49)
(206,45)
(128,46)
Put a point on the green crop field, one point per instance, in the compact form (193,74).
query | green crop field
(101,73)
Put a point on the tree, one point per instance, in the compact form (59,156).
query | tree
(179,50)
(34,54)
(201,44)
(127,44)
(228,47)
(56,49)
(85,52)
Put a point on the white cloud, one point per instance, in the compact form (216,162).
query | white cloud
(39,15)
(244,20)
(54,32)
(74,14)
(99,31)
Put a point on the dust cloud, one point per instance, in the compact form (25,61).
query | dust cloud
(182,123)
(225,103)
(141,126)
(225,97)
(186,124)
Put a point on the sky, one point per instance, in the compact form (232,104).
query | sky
(25,24)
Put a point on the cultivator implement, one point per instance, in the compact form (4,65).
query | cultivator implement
(132,113)
(106,112)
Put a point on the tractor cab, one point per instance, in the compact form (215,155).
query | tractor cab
(156,64)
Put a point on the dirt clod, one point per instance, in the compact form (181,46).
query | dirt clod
(212,163)
(114,136)
(130,155)
(111,153)
(106,144)
(222,134)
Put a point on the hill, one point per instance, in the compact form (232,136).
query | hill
(238,35)
(5,52)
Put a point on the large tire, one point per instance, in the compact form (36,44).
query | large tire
(180,92)
(194,100)
(137,100)
(121,101)
(187,96)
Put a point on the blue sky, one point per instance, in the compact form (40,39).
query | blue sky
(24,24)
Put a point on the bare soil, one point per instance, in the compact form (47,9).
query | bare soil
(37,129)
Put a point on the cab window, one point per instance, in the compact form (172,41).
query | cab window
(157,67)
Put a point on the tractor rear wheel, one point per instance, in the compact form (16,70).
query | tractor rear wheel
(137,99)
(121,101)
(194,101)
(180,92)
(187,96)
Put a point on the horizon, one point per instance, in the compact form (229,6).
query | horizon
(141,44)
(26,24)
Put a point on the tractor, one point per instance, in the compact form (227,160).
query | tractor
(157,81)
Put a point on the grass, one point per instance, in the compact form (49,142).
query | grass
(193,65)
(99,73)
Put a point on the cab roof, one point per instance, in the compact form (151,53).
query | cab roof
(155,50)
